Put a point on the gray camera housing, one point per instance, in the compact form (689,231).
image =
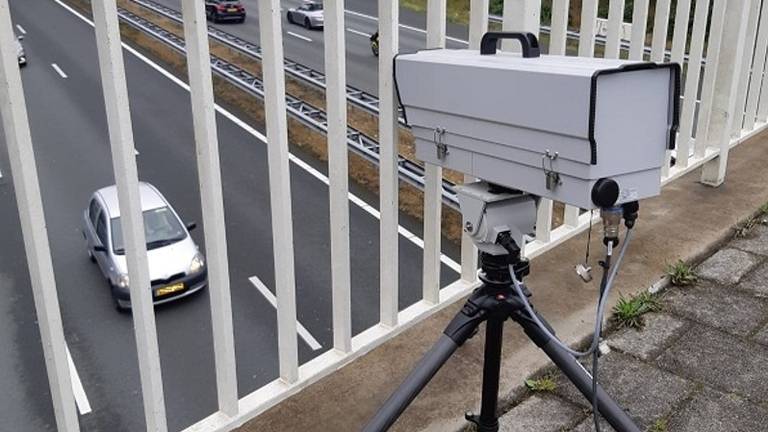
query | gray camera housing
(551,126)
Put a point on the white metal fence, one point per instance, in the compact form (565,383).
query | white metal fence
(723,104)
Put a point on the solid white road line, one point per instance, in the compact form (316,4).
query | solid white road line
(302,37)
(59,71)
(453,265)
(21,29)
(77,387)
(358,32)
(300,329)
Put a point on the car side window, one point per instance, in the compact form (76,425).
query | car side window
(101,230)
(93,211)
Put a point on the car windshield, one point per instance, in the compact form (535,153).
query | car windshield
(161,228)
(314,6)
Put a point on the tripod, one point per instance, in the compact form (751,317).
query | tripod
(495,302)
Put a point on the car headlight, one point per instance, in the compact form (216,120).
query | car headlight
(122,281)
(197,264)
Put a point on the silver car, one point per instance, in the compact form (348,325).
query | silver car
(309,14)
(176,266)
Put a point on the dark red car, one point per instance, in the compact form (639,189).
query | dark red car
(225,10)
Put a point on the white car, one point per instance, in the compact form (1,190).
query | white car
(20,54)
(309,14)
(176,266)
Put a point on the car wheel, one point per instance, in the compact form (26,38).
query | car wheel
(118,307)
(307,24)
(290,18)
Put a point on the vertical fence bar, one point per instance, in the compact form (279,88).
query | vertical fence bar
(433,175)
(338,171)
(758,71)
(270,27)
(30,205)
(680,30)
(695,53)
(126,175)
(520,15)
(746,66)
(726,93)
(388,150)
(660,23)
(639,27)
(558,35)
(478,26)
(711,72)
(587,30)
(658,48)
(212,202)
(615,21)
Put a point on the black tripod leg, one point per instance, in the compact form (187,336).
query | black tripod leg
(576,373)
(460,329)
(488,421)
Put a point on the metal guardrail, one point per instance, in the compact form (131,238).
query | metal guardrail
(358,97)
(357,141)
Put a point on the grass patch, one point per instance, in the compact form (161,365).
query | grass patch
(660,425)
(681,274)
(760,218)
(629,312)
(544,384)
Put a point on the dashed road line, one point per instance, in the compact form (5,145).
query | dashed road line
(21,29)
(302,37)
(81,400)
(300,329)
(59,71)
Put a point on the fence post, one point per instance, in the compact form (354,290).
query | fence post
(279,186)
(639,27)
(558,36)
(212,202)
(338,172)
(746,66)
(713,43)
(520,15)
(660,29)
(32,217)
(615,22)
(757,81)
(587,30)
(433,175)
(388,150)
(725,99)
(132,223)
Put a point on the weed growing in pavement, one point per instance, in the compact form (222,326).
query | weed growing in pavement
(544,384)
(681,274)
(629,312)
(659,426)
(761,218)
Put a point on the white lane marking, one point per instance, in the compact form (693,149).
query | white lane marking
(413,238)
(59,71)
(300,329)
(21,29)
(405,26)
(302,37)
(81,400)
(135,152)
(358,32)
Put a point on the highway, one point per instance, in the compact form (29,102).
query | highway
(69,130)
(306,46)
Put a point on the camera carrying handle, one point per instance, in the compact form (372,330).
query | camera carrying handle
(528,41)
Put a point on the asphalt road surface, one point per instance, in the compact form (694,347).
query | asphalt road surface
(69,131)
(306,46)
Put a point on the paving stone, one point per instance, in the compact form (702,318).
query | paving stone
(727,266)
(721,361)
(649,341)
(756,282)
(588,425)
(755,242)
(540,414)
(712,411)
(646,392)
(761,337)
(721,307)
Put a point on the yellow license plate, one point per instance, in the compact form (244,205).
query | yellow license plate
(170,289)
(232,10)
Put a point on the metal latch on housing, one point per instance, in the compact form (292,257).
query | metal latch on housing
(440,146)
(552,177)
